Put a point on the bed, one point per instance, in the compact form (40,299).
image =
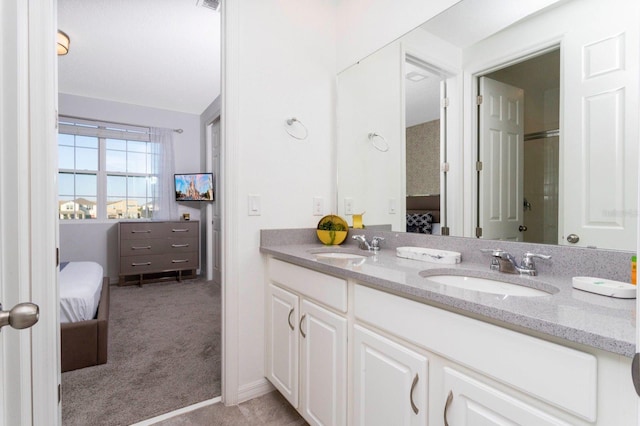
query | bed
(84,315)
(423,214)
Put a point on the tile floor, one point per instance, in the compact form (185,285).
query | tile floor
(270,409)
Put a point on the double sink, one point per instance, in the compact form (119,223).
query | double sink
(509,286)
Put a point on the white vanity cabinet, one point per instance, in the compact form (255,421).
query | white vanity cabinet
(389,382)
(306,341)
(484,374)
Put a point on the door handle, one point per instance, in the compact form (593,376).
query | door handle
(446,407)
(573,238)
(23,315)
(522,228)
(413,386)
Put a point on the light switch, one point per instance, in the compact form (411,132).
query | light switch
(348,205)
(392,206)
(318,206)
(254,205)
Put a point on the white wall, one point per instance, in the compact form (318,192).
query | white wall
(279,62)
(98,241)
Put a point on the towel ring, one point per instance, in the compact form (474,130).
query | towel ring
(290,122)
(383,148)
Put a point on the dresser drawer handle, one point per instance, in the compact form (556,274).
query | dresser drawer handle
(179,230)
(180,261)
(141,264)
(141,248)
(146,231)
(179,245)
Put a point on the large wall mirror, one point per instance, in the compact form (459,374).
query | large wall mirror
(497,123)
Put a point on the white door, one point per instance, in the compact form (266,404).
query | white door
(29,361)
(501,154)
(473,403)
(214,237)
(282,342)
(323,365)
(389,382)
(599,140)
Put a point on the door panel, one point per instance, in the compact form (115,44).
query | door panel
(502,157)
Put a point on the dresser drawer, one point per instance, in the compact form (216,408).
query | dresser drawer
(152,230)
(132,265)
(140,247)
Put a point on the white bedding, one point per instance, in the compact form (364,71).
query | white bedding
(80,287)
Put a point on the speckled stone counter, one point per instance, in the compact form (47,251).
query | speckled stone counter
(573,315)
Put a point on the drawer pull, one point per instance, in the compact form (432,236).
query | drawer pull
(141,248)
(301,331)
(290,313)
(179,245)
(141,264)
(180,261)
(145,231)
(413,386)
(446,407)
(179,230)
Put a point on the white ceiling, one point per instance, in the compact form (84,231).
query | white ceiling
(157,53)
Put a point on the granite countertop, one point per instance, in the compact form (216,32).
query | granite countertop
(597,321)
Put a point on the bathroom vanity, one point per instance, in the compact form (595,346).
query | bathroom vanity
(355,337)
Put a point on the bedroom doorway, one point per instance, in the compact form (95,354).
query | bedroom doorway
(90,55)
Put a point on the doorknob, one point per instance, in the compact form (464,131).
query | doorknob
(23,315)
(573,238)
(522,228)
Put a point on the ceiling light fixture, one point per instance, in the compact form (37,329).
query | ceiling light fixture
(63,43)
(415,76)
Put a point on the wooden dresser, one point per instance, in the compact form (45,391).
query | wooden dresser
(151,251)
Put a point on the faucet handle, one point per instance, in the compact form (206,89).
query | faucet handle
(527,259)
(375,243)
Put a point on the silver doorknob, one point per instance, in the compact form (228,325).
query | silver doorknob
(23,315)
(573,238)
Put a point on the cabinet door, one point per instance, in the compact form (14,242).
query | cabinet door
(473,403)
(282,342)
(323,365)
(389,381)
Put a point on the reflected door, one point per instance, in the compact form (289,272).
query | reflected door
(502,159)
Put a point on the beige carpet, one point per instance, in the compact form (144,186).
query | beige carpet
(164,353)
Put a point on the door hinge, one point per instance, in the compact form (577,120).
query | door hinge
(479,100)
(478,232)
(444,102)
(444,167)
(57,256)
(59,393)
(444,230)
(478,166)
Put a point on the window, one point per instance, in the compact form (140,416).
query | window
(105,171)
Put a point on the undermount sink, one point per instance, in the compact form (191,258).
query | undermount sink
(334,255)
(485,285)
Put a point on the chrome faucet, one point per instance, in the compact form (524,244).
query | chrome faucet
(503,261)
(374,245)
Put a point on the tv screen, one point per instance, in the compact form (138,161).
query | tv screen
(194,187)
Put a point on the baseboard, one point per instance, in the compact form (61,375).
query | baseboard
(254,390)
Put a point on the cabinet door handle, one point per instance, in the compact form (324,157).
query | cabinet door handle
(289,319)
(446,407)
(413,386)
(141,264)
(180,261)
(179,230)
(178,245)
(145,231)
(301,331)
(141,248)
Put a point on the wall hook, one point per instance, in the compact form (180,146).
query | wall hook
(290,123)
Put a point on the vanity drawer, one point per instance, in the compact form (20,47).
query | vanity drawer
(326,289)
(524,362)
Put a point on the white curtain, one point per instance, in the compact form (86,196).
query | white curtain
(162,167)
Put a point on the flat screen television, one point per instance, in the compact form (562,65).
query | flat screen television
(194,187)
